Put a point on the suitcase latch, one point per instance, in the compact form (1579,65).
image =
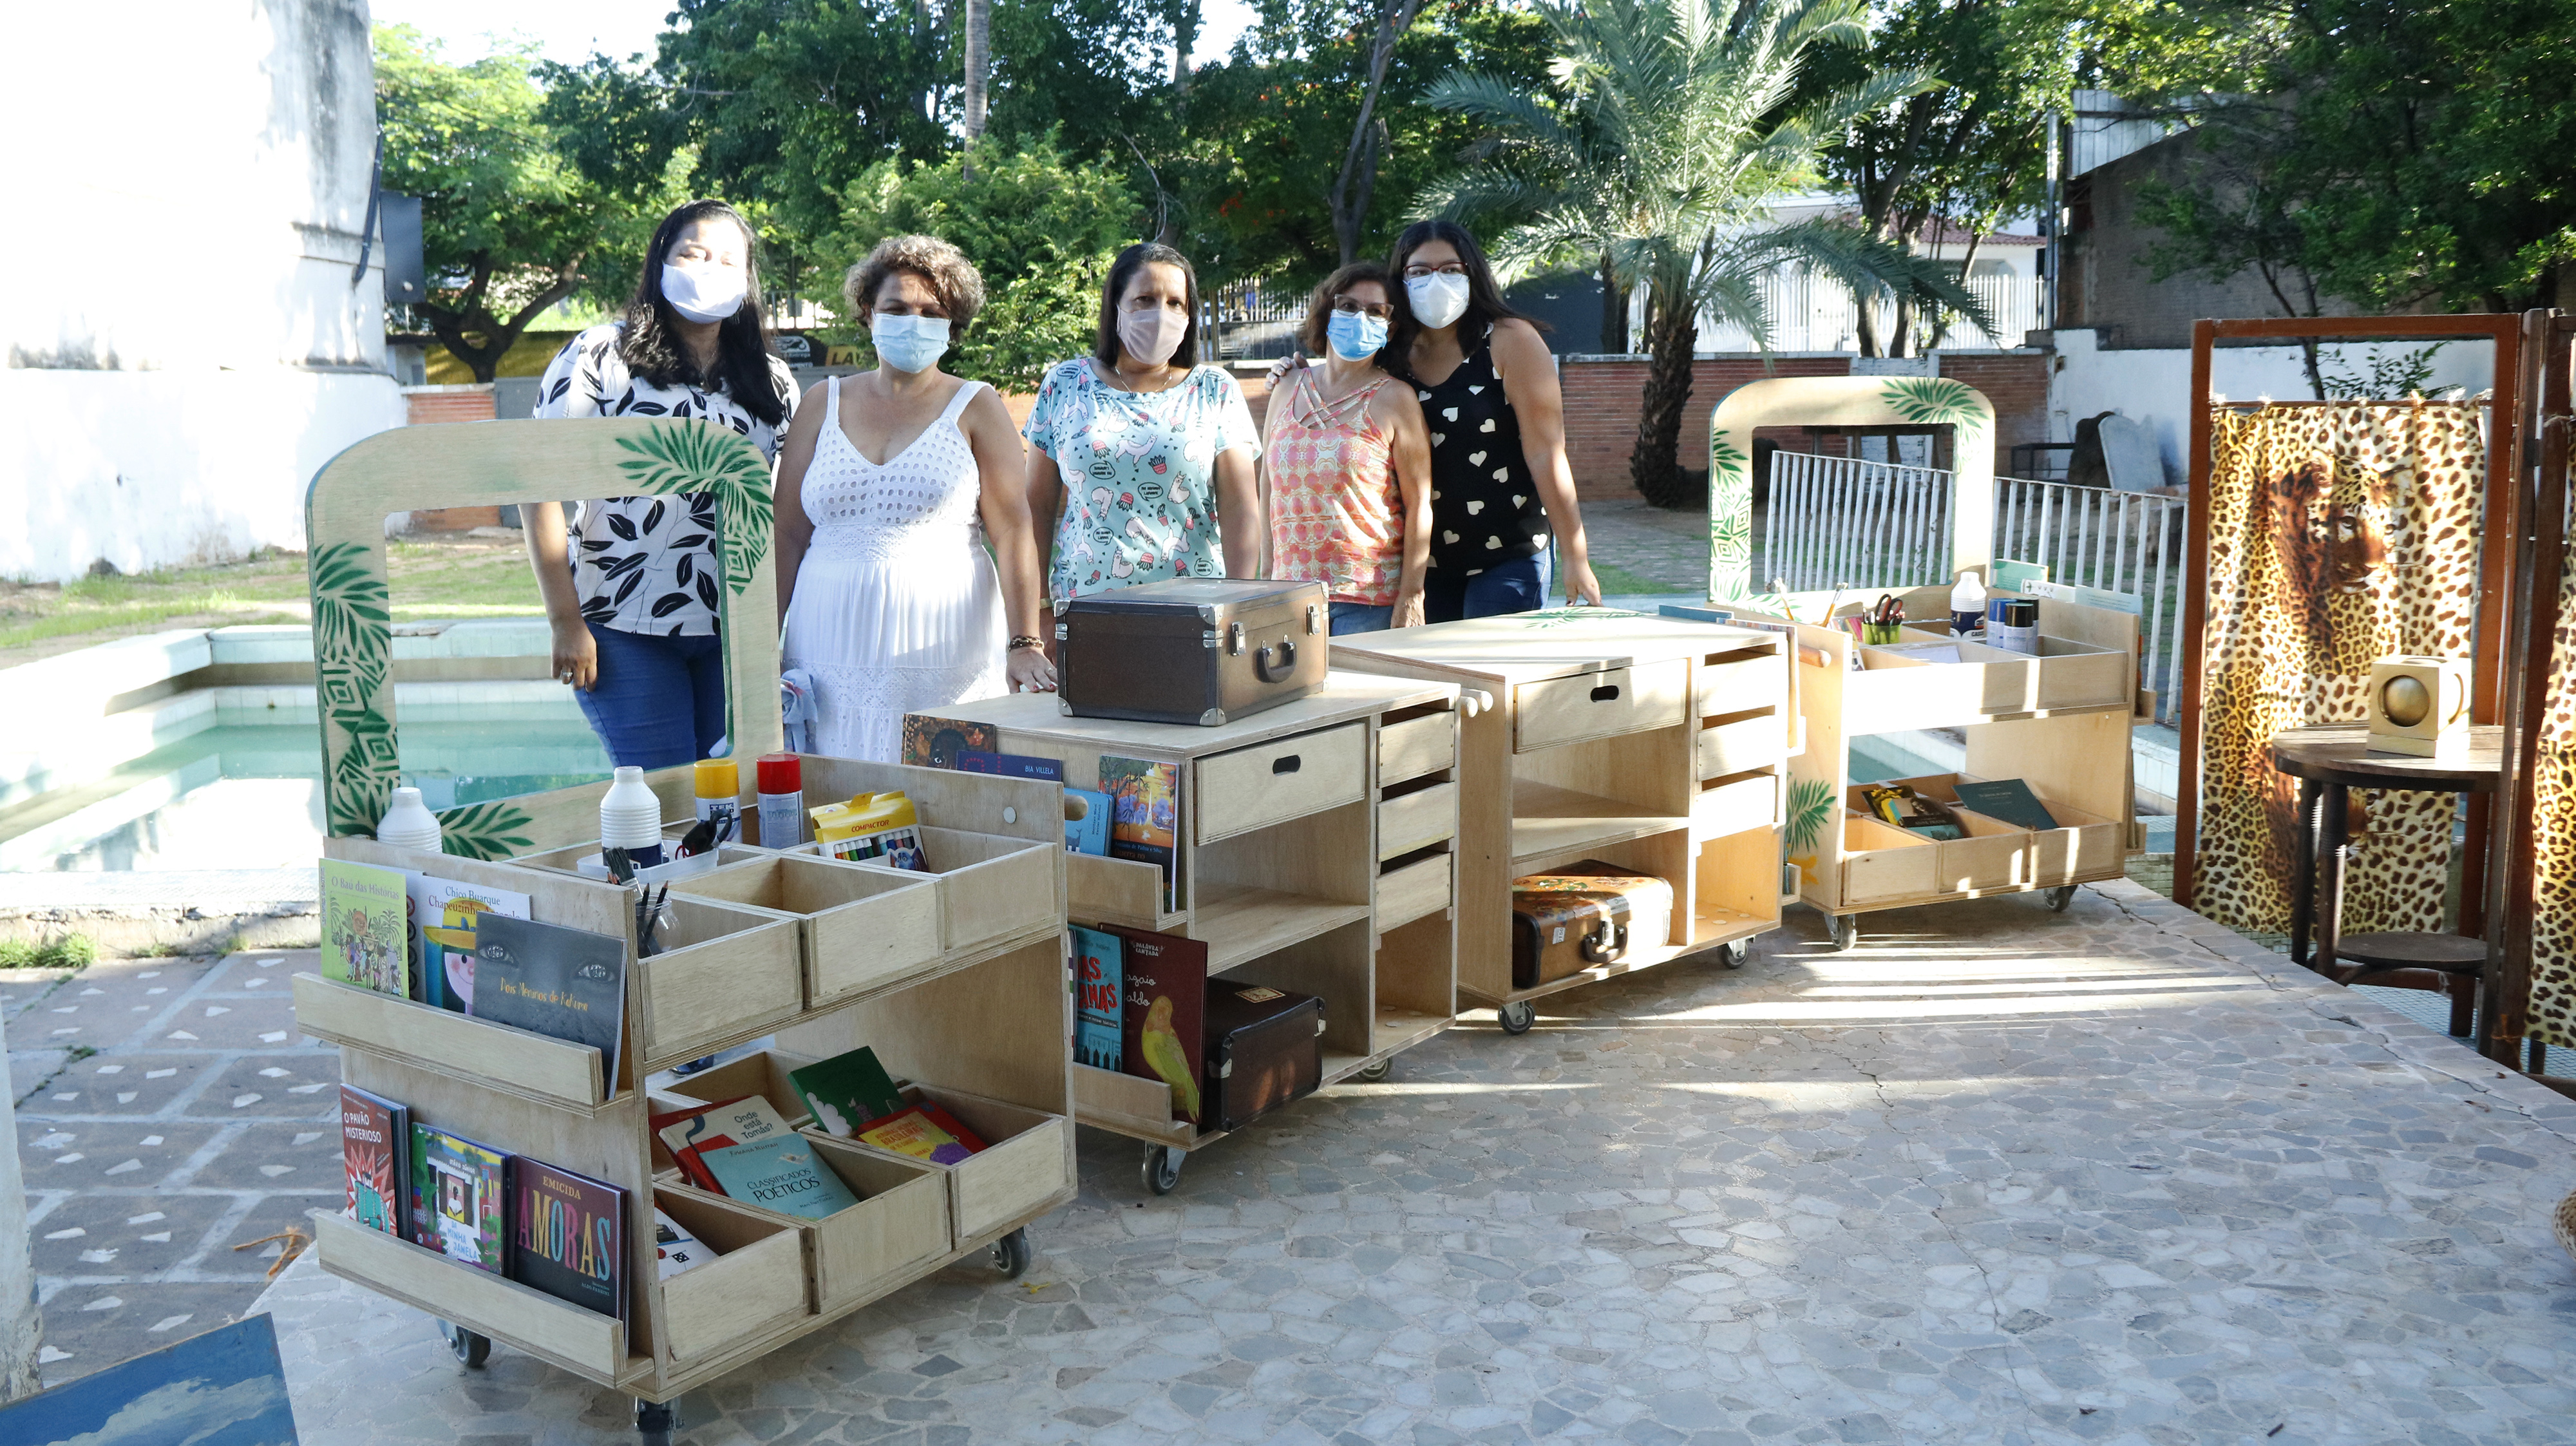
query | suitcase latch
(1234,638)
(1208,639)
(1225,1070)
(1314,618)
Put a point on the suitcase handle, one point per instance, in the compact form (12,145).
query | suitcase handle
(1287,665)
(1606,693)
(1606,946)
(1288,763)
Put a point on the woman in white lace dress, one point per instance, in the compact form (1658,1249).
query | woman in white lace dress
(889,486)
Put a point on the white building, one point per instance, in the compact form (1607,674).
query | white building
(188,336)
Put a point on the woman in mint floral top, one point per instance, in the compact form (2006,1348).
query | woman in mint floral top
(1141,466)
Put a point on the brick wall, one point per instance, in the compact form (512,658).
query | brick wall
(449,404)
(1602,398)
(2017,384)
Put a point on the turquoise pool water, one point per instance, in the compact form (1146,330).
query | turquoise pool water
(247,796)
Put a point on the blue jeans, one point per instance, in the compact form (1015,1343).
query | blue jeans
(1351,617)
(657,702)
(1511,587)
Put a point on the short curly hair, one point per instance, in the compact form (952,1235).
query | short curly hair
(952,278)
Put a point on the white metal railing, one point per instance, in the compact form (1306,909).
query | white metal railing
(1810,312)
(1842,522)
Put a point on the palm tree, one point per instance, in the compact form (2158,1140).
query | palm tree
(1678,127)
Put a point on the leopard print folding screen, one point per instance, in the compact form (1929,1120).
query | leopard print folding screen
(2552,1018)
(2338,533)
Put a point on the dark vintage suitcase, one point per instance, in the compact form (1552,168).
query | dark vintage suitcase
(1203,650)
(1581,916)
(1264,1048)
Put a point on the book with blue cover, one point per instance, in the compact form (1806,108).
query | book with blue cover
(780,1173)
(1086,821)
(1009,765)
(1099,971)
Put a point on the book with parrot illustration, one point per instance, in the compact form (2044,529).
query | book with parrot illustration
(930,742)
(1164,999)
(1099,1031)
(1145,816)
(846,1091)
(925,1132)
(366,927)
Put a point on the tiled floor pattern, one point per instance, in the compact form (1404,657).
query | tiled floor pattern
(1997,1176)
(202,1122)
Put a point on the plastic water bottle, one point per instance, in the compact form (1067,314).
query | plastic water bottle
(1967,603)
(630,817)
(408,824)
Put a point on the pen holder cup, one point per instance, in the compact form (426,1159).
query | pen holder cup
(1881,633)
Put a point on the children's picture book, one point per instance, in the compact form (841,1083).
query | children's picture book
(567,984)
(925,1132)
(1098,1018)
(366,932)
(1164,1001)
(1010,765)
(459,1197)
(1145,816)
(2006,800)
(1086,821)
(675,1251)
(568,1236)
(846,1091)
(443,912)
(375,1153)
(780,1173)
(716,1127)
(930,742)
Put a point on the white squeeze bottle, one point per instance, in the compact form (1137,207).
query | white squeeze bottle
(630,817)
(408,824)
(1967,603)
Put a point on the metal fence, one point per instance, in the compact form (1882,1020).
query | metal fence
(1841,522)
(1248,321)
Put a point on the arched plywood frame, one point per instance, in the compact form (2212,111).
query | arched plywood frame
(1845,402)
(488,464)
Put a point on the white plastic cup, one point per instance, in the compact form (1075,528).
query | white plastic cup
(630,816)
(408,824)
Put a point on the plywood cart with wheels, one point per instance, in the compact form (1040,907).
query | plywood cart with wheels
(1315,849)
(1648,742)
(2058,721)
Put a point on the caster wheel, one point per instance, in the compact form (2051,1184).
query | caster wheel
(655,1423)
(471,1347)
(1846,931)
(1011,1254)
(2059,897)
(1517,1018)
(1374,1073)
(1735,955)
(1163,1168)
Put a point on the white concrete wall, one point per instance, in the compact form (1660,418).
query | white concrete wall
(185,346)
(2154,385)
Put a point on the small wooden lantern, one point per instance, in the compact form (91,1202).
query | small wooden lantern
(2419,706)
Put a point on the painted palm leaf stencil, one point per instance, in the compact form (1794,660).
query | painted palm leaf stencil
(1937,402)
(353,657)
(494,830)
(1811,802)
(692,459)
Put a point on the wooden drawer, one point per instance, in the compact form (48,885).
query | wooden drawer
(1409,893)
(861,929)
(1409,821)
(1599,705)
(1026,1163)
(1741,683)
(725,971)
(899,1225)
(533,1321)
(756,1282)
(1881,863)
(1751,802)
(1416,746)
(1272,782)
(1745,743)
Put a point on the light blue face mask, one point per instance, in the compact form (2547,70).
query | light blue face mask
(909,343)
(1355,336)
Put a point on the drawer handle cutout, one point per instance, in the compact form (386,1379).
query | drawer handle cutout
(1288,764)
(1606,693)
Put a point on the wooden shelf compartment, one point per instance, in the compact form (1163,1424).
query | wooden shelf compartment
(1101,889)
(1415,885)
(1026,1162)
(755,1285)
(858,928)
(1275,887)
(1883,862)
(1737,892)
(1129,1105)
(549,1071)
(762,1072)
(579,1340)
(726,972)
(1241,923)
(1737,802)
(991,886)
(1413,984)
(1552,824)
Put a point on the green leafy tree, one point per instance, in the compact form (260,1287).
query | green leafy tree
(1678,128)
(1042,229)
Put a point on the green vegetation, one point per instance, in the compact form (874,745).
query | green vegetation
(70,951)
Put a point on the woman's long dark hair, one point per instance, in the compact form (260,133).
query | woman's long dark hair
(1485,304)
(1122,271)
(651,346)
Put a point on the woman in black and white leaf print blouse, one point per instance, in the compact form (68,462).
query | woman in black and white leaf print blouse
(632,592)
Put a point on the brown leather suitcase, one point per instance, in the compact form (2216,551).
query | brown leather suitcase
(1582,916)
(1203,650)
(1264,1048)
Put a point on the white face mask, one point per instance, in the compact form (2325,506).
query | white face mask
(909,343)
(1152,335)
(1438,299)
(704,293)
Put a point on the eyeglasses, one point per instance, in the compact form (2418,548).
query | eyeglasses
(1453,268)
(1348,306)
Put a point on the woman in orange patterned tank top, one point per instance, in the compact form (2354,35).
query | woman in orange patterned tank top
(1347,459)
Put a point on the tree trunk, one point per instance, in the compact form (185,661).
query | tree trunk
(979,74)
(469,315)
(1614,311)
(1349,197)
(1185,33)
(1672,331)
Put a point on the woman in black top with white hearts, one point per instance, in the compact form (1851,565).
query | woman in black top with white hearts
(1499,477)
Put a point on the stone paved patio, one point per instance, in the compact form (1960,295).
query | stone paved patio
(1997,1176)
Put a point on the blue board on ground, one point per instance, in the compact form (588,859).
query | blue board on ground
(223,1388)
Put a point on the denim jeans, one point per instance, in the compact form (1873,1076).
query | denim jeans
(1512,587)
(657,702)
(1351,617)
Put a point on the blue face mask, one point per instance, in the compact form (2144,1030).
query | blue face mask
(1354,335)
(909,343)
